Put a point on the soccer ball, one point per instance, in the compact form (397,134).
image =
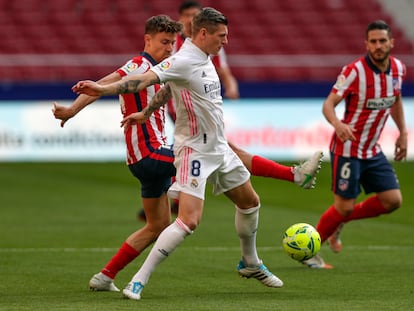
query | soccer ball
(301,241)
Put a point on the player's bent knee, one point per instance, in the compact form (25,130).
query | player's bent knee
(394,205)
(249,202)
(392,202)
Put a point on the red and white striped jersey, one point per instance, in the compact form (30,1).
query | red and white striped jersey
(141,139)
(368,95)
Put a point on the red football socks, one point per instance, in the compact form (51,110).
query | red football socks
(329,221)
(371,207)
(124,256)
(267,168)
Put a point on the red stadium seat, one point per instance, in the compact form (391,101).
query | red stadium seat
(260,27)
(62,6)
(26,6)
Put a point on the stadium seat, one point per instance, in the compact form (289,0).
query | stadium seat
(26,5)
(62,6)
(260,27)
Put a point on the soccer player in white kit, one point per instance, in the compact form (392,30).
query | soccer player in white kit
(256,164)
(201,150)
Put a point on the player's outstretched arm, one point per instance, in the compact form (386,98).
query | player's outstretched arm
(64,113)
(131,84)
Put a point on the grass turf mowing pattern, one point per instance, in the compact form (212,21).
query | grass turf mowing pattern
(61,222)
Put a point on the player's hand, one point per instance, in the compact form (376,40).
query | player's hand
(344,131)
(133,118)
(88,87)
(62,113)
(400,152)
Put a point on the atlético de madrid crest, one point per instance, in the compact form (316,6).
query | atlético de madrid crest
(343,184)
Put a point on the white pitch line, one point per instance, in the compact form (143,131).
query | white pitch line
(207,248)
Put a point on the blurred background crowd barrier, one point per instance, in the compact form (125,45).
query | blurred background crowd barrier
(278,50)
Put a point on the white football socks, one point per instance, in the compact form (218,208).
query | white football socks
(247,221)
(167,242)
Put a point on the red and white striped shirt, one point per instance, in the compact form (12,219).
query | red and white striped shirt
(369,95)
(142,139)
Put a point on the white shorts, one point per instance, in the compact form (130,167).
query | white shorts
(225,171)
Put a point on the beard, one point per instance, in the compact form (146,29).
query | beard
(379,56)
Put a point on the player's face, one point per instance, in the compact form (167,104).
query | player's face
(186,18)
(216,40)
(160,45)
(379,45)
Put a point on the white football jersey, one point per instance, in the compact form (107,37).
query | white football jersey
(196,90)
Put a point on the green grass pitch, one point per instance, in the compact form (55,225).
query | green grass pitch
(61,222)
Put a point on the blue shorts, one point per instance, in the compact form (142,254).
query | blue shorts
(155,172)
(374,175)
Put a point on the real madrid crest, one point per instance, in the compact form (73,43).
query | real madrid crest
(194,183)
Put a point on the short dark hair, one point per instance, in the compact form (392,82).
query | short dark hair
(162,23)
(209,19)
(378,25)
(189,4)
